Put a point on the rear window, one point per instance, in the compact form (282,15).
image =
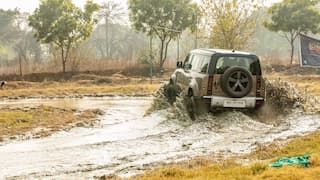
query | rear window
(249,63)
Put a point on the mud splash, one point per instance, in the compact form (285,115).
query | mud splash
(284,97)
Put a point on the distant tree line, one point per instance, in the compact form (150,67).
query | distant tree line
(57,29)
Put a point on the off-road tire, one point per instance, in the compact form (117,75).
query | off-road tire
(171,92)
(236,82)
(190,106)
(195,107)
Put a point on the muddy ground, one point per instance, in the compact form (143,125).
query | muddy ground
(127,140)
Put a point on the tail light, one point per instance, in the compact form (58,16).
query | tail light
(210,84)
(259,103)
(258,91)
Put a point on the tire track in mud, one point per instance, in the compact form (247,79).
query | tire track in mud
(132,143)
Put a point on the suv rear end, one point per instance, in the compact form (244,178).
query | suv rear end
(235,81)
(220,79)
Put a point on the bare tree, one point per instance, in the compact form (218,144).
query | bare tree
(25,45)
(111,12)
(125,42)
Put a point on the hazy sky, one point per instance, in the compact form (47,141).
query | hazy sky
(30,5)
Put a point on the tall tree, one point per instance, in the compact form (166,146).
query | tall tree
(124,43)
(165,19)
(8,32)
(62,23)
(230,24)
(111,12)
(293,17)
(7,25)
(25,45)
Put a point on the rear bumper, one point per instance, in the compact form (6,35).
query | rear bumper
(225,102)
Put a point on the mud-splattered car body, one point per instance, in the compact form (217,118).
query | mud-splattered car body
(221,78)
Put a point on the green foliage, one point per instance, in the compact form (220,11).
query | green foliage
(16,39)
(3,50)
(62,23)
(267,43)
(164,18)
(231,23)
(145,57)
(294,17)
(7,26)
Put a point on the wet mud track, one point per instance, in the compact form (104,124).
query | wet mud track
(125,142)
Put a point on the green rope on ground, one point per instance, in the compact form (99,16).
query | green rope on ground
(300,160)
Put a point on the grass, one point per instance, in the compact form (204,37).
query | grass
(16,119)
(260,170)
(69,88)
(22,120)
(310,84)
(83,84)
(307,83)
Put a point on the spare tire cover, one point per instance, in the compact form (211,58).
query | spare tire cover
(236,82)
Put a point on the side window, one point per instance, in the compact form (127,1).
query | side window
(187,59)
(205,64)
(200,63)
(196,63)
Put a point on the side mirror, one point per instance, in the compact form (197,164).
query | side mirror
(179,64)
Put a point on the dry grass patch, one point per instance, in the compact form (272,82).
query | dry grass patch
(306,83)
(83,84)
(48,119)
(64,89)
(261,170)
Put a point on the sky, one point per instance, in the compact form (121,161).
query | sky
(31,5)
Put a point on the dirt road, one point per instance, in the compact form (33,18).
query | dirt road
(125,142)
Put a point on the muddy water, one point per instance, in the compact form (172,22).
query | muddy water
(125,143)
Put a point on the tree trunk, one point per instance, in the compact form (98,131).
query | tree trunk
(161,54)
(165,53)
(20,65)
(63,60)
(292,51)
(107,36)
(63,66)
